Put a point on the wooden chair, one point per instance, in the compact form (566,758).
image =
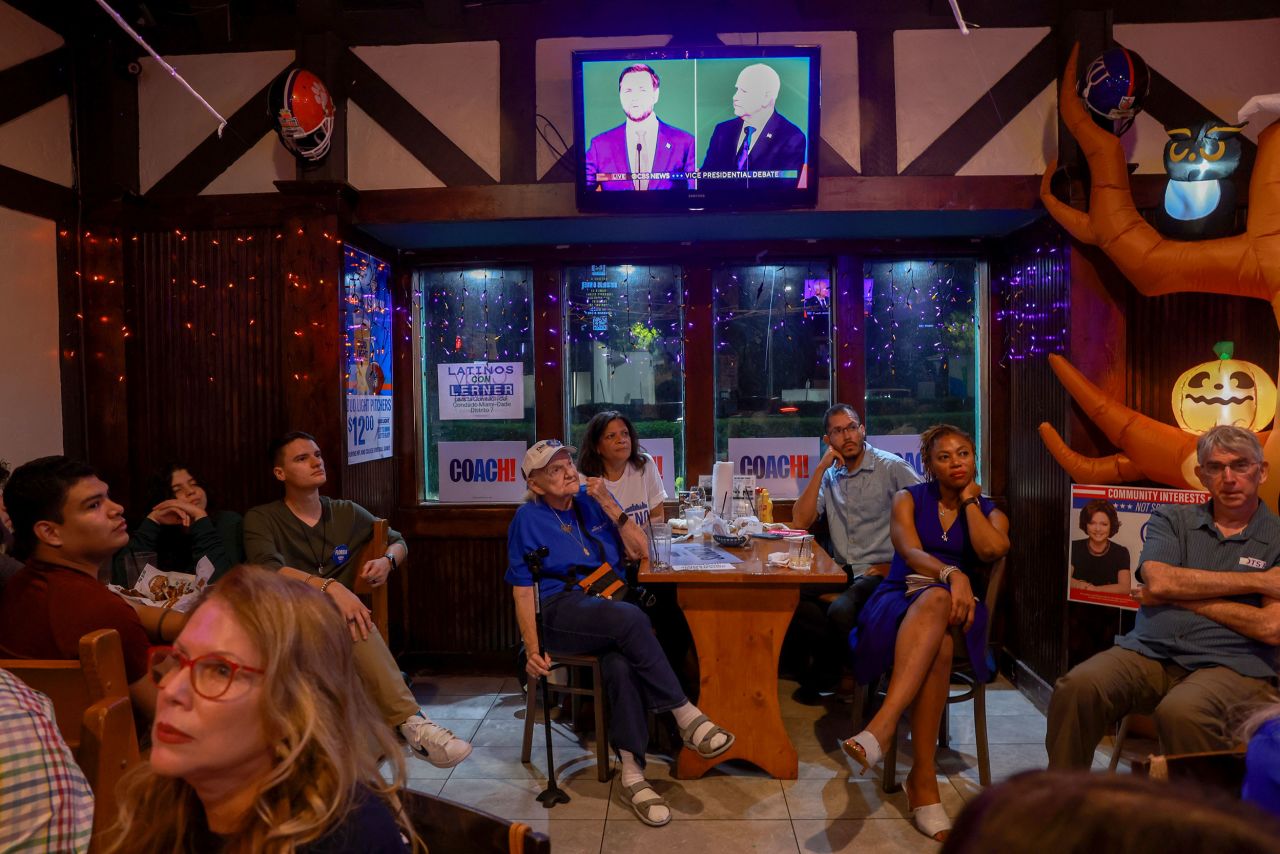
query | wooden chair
(1131,724)
(376,597)
(448,827)
(1217,769)
(91,702)
(575,666)
(974,689)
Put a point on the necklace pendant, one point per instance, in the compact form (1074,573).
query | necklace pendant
(944,536)
(566,528)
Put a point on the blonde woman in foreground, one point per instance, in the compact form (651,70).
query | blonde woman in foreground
(264,738)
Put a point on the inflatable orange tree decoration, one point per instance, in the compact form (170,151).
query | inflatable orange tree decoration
(1244,265)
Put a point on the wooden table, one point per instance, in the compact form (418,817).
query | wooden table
(738,620)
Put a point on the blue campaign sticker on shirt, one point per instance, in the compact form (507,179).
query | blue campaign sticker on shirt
(340,554)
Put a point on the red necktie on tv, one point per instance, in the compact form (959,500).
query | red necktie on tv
(745,151)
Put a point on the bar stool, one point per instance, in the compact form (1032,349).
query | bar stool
(576,666)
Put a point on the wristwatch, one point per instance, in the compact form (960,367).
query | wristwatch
(622,519)
(391,558)
(968,501)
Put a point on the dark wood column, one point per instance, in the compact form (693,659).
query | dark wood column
(699,373)
(311,330)
(548,343)
(849,334)
(105,326)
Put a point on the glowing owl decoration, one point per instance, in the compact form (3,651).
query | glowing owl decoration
(1224,391)
(1200,200)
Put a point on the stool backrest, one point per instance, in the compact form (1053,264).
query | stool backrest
(448,827)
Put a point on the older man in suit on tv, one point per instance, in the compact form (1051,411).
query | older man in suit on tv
(640,145)
(758,138)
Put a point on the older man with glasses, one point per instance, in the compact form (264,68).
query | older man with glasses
(1203,648)
(853,489)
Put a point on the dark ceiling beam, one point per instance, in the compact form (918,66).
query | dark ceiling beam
(451,21)
(29,194)
(59,17)
(34,83)
(990,114)
(215,155)
(394,114)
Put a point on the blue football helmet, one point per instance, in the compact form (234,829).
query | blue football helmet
(1116,86)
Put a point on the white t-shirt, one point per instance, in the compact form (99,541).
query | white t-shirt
(639,491)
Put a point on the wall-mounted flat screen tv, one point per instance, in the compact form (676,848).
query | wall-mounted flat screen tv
(696,128)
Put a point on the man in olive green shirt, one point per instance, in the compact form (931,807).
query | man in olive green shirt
(315,540)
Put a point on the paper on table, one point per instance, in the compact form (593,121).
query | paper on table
(705,567)
(699,554)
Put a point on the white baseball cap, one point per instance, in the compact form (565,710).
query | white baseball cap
(541,453)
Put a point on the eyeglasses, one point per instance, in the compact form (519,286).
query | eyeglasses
(837,432)
(1241,467)
(211,675)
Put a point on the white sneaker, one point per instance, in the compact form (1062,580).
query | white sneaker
(434,743)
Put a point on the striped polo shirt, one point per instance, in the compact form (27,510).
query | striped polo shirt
(1186,536)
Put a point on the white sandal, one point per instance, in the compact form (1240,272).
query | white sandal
(864,749)
(644,805)
(930,819)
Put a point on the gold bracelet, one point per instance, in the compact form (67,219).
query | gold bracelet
(164,612)
(324,585)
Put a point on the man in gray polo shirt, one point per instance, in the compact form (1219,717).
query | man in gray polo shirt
(1203,649)
(853,488)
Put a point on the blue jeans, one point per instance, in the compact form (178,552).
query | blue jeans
(635,670)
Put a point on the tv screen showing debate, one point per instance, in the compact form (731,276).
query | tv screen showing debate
(716,127)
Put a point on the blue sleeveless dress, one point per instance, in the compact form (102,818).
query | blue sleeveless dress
(872,640)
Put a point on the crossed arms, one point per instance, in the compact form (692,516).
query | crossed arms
(1203,592)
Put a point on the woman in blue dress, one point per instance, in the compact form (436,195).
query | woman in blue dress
(943,530)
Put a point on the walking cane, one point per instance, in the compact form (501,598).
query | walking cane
(553,794)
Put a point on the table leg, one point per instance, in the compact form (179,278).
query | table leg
(738,633)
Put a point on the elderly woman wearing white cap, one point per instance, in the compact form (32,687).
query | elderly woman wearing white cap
(583,528)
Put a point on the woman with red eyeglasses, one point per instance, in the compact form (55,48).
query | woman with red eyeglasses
(264,738)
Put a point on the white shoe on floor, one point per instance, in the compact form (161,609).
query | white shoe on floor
(433,742)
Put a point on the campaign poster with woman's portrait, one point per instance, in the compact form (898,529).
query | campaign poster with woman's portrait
(1107,529)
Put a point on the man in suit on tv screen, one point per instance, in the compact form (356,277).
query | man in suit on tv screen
(758,138)
(642,144)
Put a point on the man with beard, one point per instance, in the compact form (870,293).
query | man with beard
(642,144)
(853,489)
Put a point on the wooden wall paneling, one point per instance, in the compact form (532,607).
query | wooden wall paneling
(106,374)
(206,359)
(460,611)
(548,343)
(71,342)
(1037,487)
(312,382)
(850,334)
(699,372)
(1168,335)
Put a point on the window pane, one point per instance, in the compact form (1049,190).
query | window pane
(922,363)
(773,350)
(477,350)
(626,353)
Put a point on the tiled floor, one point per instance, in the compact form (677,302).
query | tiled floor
(735,807)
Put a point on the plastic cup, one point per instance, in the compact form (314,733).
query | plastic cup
(694,516)
(800,553)
(660,552)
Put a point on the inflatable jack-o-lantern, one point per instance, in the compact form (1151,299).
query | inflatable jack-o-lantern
(1224,391)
